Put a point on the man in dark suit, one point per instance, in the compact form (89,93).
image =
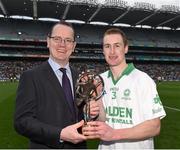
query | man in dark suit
(42,112)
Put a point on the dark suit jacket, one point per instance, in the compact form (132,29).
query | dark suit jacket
(41,109)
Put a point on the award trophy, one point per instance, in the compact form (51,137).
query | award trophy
(89,86)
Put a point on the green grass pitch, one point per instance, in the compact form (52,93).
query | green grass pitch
(170,126)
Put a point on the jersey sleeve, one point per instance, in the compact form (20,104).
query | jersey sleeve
(151,104)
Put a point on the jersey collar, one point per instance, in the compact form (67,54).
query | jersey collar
(126,71)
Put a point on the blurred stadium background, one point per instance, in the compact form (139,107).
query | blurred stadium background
(154,47)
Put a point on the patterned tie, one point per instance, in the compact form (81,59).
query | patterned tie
(67,89)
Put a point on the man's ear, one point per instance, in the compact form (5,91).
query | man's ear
(47,39)
(74,46)
(126,49)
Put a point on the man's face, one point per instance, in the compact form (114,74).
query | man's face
(61,44)
(114,49)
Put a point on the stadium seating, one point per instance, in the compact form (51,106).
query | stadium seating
(21,41)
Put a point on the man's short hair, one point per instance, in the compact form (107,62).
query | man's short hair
(61,23)
(117,31)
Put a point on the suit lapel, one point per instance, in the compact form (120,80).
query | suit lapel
(52,79)
(74,77)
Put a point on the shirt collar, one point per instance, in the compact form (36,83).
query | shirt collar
(126,71)
(55,66)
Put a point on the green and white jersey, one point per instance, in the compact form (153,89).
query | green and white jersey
(128,101)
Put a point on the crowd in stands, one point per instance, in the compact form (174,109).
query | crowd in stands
(11,70)
(167,72)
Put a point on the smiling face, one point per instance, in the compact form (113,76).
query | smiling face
(61,43)
(114,49)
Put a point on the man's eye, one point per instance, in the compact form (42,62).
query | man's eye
(56,39)
(106,46)
(68,40)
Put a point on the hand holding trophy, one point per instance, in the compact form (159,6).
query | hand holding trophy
(89,87)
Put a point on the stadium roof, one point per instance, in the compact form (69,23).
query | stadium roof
(111,12)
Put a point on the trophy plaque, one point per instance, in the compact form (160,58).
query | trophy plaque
(89,86)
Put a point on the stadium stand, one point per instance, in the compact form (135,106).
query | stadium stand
(153,50)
